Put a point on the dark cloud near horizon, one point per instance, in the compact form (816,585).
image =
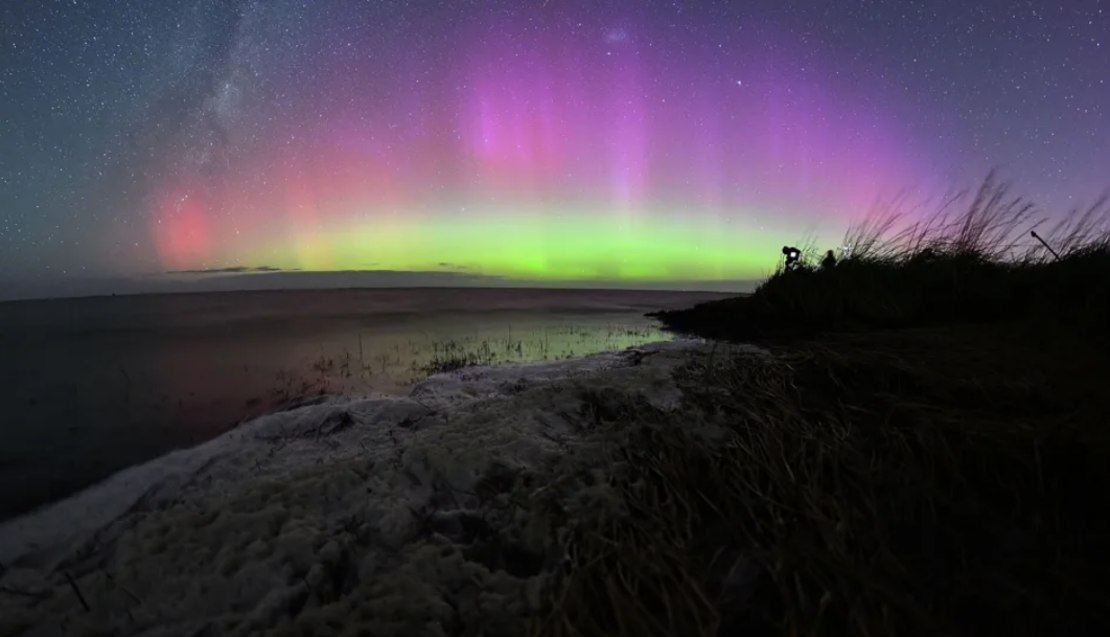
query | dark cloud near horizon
(240,269)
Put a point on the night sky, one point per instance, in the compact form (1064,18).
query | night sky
(627,142)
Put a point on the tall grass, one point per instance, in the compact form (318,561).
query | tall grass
(973,259)
(990,223)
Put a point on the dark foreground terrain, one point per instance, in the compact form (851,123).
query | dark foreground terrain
(926,453)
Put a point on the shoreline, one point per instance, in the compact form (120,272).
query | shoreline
(250,426)
(86,410)
(518,418)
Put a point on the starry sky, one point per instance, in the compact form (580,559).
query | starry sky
(625,143)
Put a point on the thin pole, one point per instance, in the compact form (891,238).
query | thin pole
(1044,243)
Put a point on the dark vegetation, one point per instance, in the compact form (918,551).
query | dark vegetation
(979,266)
(925,452)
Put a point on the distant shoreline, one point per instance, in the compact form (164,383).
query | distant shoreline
(399,288)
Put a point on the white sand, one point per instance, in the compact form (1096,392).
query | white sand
(316,520)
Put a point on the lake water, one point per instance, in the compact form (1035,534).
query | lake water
(91,386)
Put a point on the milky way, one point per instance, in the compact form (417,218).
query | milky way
(626,142)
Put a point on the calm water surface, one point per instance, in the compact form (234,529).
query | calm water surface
(91,386)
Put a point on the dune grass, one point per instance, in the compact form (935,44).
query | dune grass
(978,265)
(925,452)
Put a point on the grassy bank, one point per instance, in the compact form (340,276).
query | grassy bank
(926,452)
(974,261)
(859,485)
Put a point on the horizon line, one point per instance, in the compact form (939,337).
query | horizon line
(525,286)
